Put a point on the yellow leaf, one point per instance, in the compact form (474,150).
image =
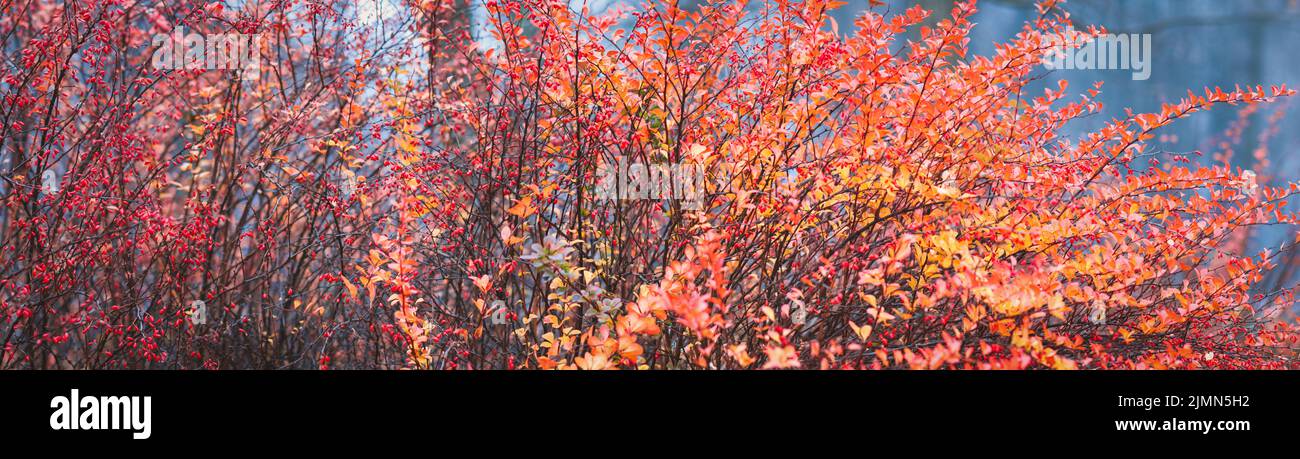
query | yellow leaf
(352,289)
(863,332)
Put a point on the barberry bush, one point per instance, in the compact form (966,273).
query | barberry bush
(402,188)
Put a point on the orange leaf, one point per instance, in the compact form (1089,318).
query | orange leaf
(523,208)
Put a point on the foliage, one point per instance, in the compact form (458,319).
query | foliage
(396,194)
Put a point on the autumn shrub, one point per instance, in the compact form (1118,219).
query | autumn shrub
(401,194)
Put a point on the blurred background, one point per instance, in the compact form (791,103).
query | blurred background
(1195,44)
